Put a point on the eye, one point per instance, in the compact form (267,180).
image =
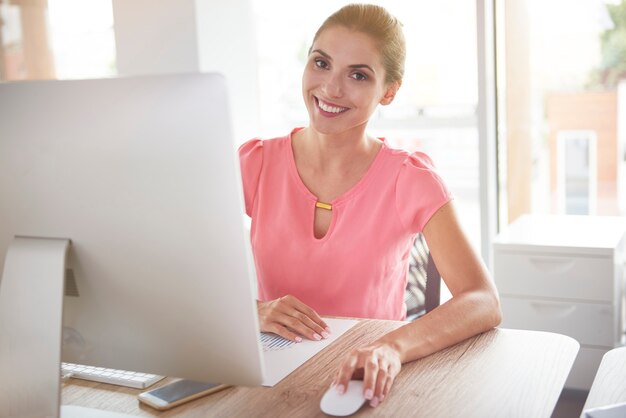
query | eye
(358,76)
(320,63)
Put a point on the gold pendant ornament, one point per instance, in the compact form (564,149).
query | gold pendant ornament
(323,205)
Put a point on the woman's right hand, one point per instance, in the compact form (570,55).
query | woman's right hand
(291,319)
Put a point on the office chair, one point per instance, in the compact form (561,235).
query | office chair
(423,281)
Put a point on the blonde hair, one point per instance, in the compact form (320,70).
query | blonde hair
(382,26)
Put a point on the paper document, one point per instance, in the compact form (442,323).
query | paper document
(281,357)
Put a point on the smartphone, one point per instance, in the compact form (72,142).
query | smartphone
(178,392)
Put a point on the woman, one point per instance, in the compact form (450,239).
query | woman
(335,212)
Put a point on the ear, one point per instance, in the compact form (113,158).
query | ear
(390,94)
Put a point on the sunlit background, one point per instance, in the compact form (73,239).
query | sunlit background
(560,149)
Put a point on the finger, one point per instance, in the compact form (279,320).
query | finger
(318,323)
(299,325)
(387,387)
(381,380)
(370,374)
(292,307)
(393,370)
(378,387)
(314,318)
(345,373)
(281,312)
(284,332)
(311,324)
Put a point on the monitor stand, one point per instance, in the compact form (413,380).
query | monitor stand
(31,318)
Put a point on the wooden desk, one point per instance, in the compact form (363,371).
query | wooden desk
(609,385)
(501,373)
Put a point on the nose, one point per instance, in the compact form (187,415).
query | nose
(333,86)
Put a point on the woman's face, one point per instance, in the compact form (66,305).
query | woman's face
(344,81)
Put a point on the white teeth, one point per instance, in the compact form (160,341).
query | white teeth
(330,109)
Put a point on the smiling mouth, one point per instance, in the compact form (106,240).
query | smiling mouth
(328,108)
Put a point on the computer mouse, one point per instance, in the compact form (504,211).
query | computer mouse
(341,405)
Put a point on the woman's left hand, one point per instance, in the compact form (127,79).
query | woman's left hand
(379,363)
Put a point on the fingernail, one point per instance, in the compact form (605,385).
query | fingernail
(374,402)
(298,339)
(369,394)
(327,329)
(340,388)
(382,398)
(317,337)
(325,334)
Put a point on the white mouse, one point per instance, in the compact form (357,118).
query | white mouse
(341,405)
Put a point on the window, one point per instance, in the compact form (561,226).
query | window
(56,39)
(559,70)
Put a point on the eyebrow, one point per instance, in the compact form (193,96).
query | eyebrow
(355,66)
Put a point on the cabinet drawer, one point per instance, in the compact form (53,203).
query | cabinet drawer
(585,368)
(588,323)
(569,277)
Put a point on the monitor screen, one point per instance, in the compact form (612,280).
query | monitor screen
(141,175)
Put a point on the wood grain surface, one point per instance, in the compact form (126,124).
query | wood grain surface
(501,373)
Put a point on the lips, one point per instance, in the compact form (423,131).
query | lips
(329,108)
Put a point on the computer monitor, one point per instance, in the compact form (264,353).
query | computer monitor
(140,175)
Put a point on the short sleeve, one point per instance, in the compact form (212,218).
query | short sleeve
(420,191)
(251,162)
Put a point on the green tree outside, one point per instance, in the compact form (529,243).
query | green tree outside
(613,43)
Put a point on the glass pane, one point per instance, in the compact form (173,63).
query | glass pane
(559,69)
(56,39)
(12,57)
(83,39)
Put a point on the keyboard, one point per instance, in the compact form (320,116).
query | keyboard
(112,376)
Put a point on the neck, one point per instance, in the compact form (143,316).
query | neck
(324,150)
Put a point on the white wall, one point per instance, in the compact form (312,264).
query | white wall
(226,43)
(178,36)
(155,37)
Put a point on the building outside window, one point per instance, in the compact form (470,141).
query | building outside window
(562,107)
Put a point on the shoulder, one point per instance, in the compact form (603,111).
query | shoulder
(419,166)
(420,190)
(251,148)
(417,170)
(252,158)
(411,163)
(419,160)
(255,147)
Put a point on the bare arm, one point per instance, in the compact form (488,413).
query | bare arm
(474,308)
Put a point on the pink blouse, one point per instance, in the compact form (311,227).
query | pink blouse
(359,268)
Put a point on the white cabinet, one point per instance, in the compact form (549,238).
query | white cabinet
(565,274)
